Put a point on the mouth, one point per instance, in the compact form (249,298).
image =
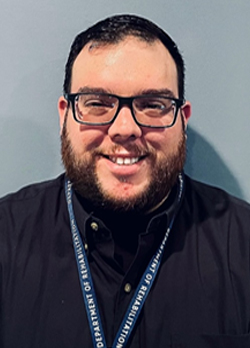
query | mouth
(127,161)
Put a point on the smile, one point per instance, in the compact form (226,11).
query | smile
(127,161)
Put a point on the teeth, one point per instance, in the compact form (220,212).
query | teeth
(127,161)
(124,161)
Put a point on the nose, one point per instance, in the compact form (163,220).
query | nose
(124,127)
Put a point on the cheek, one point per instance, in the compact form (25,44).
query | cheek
(158,139)
(84,138)
(164,141)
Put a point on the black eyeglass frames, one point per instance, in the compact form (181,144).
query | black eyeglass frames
(149,110)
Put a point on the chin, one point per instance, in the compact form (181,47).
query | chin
(123,190)
(124,197)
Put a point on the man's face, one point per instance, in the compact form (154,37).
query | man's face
(123,166)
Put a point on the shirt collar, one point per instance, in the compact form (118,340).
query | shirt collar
(156,221)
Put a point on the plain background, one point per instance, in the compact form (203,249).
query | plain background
(214,38)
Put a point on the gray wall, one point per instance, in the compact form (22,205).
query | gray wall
(214,37)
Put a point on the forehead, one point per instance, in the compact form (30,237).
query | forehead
(127,67)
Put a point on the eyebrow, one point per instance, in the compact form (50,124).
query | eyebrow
(87,89)
(162,91)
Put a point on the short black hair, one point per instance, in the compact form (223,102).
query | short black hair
(114,29)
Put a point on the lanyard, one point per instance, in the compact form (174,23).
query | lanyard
(87,287)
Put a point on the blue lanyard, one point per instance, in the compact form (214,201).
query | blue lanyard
(87,287)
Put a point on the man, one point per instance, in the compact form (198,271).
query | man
(124,250)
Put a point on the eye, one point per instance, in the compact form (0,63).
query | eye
(154,105)
(149,104)
(88,105)
(98,103)
(95,101)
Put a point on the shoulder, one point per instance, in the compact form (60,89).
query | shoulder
(30,211)
(31,200)
(33,192)
(213,197)
(214,208)
(29,218)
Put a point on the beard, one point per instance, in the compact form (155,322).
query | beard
(83,176)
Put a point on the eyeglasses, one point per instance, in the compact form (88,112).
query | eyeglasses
(99,109)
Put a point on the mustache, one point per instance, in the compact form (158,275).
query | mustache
(136,150)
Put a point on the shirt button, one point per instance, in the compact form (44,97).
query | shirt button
(127,288)
(94,226)
(86,246)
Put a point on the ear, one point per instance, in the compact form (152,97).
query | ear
(186,112)
(62,110)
